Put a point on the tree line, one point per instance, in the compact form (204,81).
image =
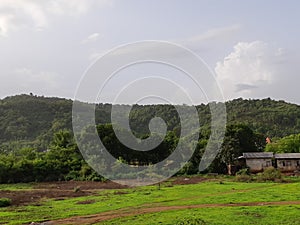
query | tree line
(63,160)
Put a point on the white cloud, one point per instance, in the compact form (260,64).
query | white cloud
(252,65)
(91,38)
(15,13)
(6,23)
(215,33)
(31,13)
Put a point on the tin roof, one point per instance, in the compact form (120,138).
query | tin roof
(287,156)
(257,155)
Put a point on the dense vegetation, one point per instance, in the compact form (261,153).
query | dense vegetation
(288,144)
(34,119)
(36,142)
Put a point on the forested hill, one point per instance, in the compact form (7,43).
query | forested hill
(34,119)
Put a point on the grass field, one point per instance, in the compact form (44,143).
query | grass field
(208,202)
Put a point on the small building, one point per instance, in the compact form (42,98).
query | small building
(287,162)
(256,161)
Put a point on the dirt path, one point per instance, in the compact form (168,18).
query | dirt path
(92,219)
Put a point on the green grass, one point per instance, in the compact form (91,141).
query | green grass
(203,193)
(16,187)
(264,215)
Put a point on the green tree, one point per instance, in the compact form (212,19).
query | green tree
(288,144)
(240,138)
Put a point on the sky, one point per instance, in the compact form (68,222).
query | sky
(250,47)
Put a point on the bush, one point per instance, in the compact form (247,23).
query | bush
(4,202)
(270,174)
(243,178)
(244,171)
(243,175)
(72,175)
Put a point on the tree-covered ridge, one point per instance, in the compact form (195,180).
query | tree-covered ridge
(269,117)
(29,119)
(36,137)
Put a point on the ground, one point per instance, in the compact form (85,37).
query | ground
(197,197)
(56,190)
(66,189)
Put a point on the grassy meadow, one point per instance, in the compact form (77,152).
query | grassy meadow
(217,201)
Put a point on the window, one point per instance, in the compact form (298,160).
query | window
(288,163)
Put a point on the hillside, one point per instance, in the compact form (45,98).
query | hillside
(34,119)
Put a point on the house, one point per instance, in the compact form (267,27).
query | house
(256,161)
(287,162)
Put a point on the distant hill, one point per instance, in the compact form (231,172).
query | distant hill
(33,119)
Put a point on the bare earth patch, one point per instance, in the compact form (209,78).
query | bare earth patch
(66,189)
(57,190)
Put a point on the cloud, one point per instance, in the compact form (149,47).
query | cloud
(214,33)
(15,14)
(244,87)
(251,65)
(91,38)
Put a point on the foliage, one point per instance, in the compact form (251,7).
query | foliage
(243,178)
(270,174)
(289,144)
(240,138)
(130,156)
(31,121)
(62,161)
(36,142)
(266,116)
(244,171)
(4,202)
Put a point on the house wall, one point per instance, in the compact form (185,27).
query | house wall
(288,165)
(257,165)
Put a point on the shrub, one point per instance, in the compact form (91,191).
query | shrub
(244,171)
(4,202)
(72,175)
(243,175)
(270,174)
(243,178)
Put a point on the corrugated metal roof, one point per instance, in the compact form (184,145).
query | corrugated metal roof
(257,155)
(287,156)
